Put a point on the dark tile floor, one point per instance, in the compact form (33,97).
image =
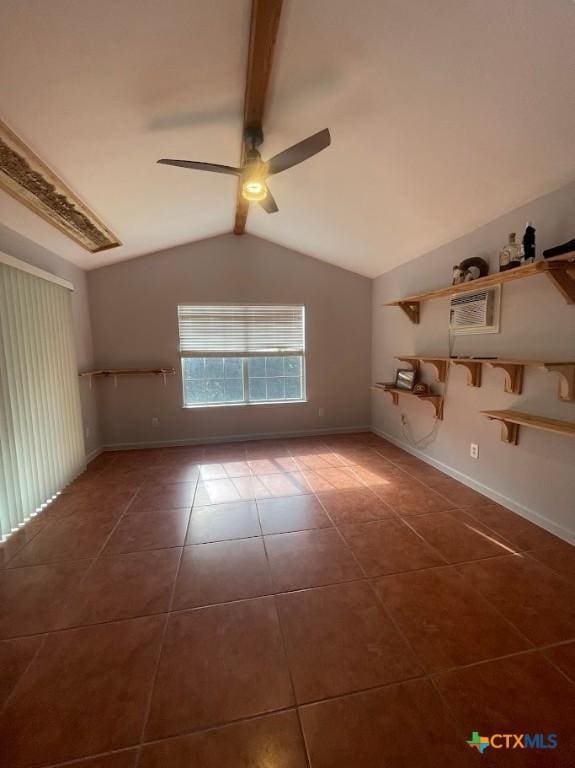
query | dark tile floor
(328,602)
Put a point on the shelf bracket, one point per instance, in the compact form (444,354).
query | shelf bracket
(410,361)
(513,375)
(566,379)
(564,280)
(509,430)
(440,366)
(440,369)
(473,371)
(437,402)
(411,309)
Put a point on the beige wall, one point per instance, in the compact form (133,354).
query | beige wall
(26,250)
(536,477)
(134,320)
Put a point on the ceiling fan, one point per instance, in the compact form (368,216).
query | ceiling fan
(254,174)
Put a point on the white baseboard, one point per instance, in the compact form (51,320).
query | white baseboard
(498,498)
(94,453)
(232,438)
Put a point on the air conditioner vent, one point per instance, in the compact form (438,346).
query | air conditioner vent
(475,312)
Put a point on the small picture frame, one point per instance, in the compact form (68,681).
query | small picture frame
(405,378)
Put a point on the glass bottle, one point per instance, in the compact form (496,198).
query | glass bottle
(510,255)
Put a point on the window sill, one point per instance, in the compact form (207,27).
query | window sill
(244,405)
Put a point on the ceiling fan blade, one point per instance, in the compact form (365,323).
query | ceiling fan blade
(214,167)
(268,203)
(299,152)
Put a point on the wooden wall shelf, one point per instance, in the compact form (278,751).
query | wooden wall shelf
(512,369)
(115,372)
(512,420)
(435,400)
(130,372)
(560,270)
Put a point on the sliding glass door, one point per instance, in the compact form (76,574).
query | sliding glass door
(41,441)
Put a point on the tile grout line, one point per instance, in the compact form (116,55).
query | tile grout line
(391,619)
(12,693)
(555,665)
(426,675)
(380,602)
(77,587)
(507,621)
(431,676)
(469,509)
(533,648)
(88,758)
(446,564)
(99,552)
(148,708)
(37,516)
(363,577)
(180,735)
(48,633)
(515,553)
(290,674)
(293,708)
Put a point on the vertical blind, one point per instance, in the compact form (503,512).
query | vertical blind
(41,441)
(227,330)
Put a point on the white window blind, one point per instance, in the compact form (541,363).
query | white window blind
(241,331)
(41,441)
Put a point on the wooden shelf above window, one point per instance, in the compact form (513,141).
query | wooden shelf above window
(560,270)
(435,400)
(512,420)
(130,372)
(512,368)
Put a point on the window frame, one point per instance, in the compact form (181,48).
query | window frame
(246,403)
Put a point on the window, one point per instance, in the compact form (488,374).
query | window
(242,354)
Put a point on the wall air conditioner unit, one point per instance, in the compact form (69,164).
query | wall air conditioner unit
(475,312)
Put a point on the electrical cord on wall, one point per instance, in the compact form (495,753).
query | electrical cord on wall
(427,440)
(424,441)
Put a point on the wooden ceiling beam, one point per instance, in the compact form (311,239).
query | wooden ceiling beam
(263,32)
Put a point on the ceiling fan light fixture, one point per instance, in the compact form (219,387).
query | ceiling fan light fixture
(255,172)
(254,190)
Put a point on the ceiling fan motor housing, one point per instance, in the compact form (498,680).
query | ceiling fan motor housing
(254,167)
(254,137)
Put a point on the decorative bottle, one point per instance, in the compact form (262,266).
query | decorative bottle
(510,255)
(529,244)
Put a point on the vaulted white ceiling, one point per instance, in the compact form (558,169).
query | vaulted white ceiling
(443,115)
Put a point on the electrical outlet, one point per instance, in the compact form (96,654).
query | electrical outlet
(155,421)
(87,432)
(474,450)
(321,412)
